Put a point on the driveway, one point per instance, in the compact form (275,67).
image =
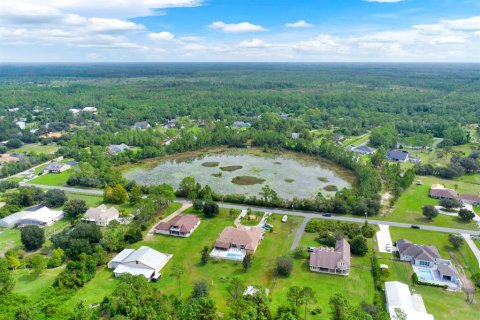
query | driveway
(383,238)
(299,233)
(472,246)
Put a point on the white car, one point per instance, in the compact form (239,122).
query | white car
(284,219)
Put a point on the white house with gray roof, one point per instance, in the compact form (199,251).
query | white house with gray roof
(101,215)
(144,261)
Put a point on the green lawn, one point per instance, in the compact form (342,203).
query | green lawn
(37,148)
(255,222)
(31,287)
(91,200)
(444,305)
(408,208)
(53,179)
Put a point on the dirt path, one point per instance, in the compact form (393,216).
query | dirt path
(184,207)
(468,286)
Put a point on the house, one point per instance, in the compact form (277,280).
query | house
(471,199)
(414,159)
(21,124)
(141,125)
(241,124)
(418,255)
(363,150)
(7,158)
(75,111)
(101,215)
(179,226)
(56,167)
(295,135)
(89,109)
(428,265)
(329,260)
(438,191)
(13,109)
(42,216)
(398,297)
(117,148)
(397,155)
(284,116)
(236,243)
(144,261)
(170,124)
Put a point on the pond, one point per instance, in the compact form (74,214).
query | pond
(246,172)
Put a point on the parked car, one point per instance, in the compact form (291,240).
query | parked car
(310,249)
(388,247)
(284,219)
(327,215)
(414,226)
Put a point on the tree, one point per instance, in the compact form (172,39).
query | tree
(339,306)
(300,253)
(7,279)
(200,289)
(235,289)
(119,194)
(456,240)
(233,213)
(430,212)
(162,194)
(399,314)
(38,264)
(82,312)
(74,208)
(466,215)
(308,296)
(269,195)
(205,255)
(294,296)
(108,194)
(56,258)
(450,203)
(247,262)
(359,245)
(32,237)
(284,266)
(54,198)
(210,209)
(367,230)
(187,186)
(135,194)
(197,204)
(177,272)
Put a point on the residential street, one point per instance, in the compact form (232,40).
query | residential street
(304,214)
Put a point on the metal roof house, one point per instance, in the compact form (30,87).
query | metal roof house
(39,217)
(398,156)
(363,150)
(398,296)
(117,148)
(144,261)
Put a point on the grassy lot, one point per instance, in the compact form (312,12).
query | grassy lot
(255,222)
(37,148)
(31,287)
(409,207)
(53,179)
(444,305)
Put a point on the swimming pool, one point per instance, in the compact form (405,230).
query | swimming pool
(425,274)
(237,256)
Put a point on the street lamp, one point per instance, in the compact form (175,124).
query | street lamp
(366,215)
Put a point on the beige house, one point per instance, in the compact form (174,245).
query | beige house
(57,167)
(235,243)
(329,260)
(101,215)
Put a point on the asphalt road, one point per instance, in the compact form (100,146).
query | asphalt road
(304,214)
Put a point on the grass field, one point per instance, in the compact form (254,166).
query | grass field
(37,148)
(53,179)
(30,286)
(409,207)
(444,305)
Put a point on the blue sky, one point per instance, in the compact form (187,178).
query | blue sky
(240,30)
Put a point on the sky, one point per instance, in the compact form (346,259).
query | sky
(239,31)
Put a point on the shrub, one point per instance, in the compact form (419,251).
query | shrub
(359,246)
(466,215)
(55,198)
(197,205)
(210,209)
(284,266)
(300,253)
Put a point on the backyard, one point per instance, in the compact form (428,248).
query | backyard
(444,305)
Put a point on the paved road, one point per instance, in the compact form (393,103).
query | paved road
(304,214)
(66,189)
(25,173)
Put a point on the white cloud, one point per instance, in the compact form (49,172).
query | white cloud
(299,24)
(162,36)
(253,43)
(237,27)
(191,38)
